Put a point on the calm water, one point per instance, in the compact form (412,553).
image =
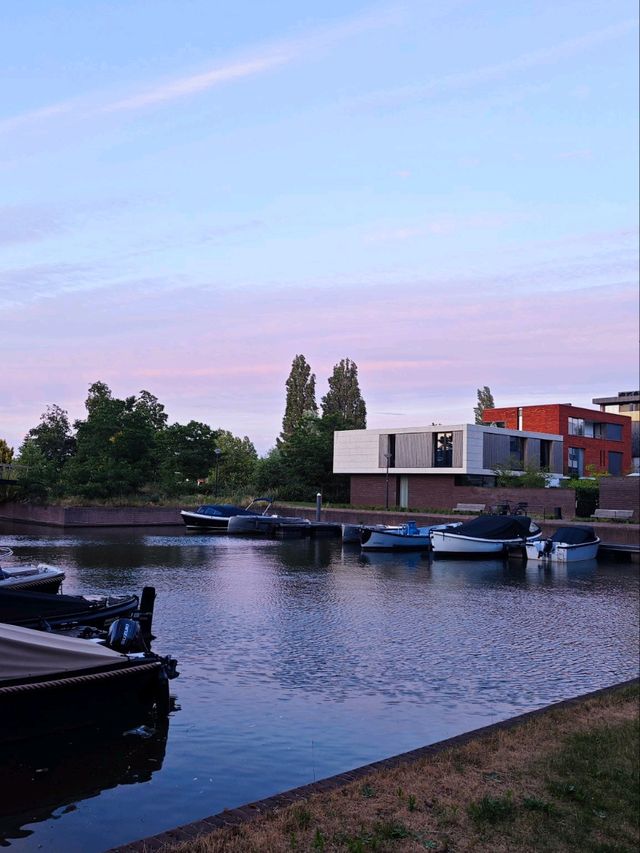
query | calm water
(302,659)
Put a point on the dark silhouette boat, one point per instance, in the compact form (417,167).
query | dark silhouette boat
(58,612)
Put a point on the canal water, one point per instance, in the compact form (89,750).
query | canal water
(301,659)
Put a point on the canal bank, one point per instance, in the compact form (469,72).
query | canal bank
(566,772)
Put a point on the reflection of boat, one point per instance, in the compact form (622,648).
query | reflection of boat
(486,534)
(567,545)
(403,537)
(216,516)
(43,610)
(49,773)
(50,682)
(42,577)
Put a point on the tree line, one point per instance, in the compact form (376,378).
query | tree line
(126,447)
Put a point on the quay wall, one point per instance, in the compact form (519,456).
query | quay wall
(91,516)
(440,492)
(621,493)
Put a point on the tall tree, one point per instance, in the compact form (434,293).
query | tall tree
(53,436)
(485,401)
(6,452)
(301,396)
(344,399)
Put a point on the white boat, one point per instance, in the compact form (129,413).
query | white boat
(486,534)
(567,545)
(351,533)
(16,576)
(406,537)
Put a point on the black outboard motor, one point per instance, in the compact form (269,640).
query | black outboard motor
(125,635)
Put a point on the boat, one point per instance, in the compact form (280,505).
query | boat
(51,683)
(567,545)
(267,525)
(486,534)
(405,537)
(59,612)
(351,534)
(42,577)
(215,517)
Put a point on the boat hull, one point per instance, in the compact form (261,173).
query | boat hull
(193,521)
(394,539)
(41,578)
(113,697)
(561,552)
(32,609)
(443,542)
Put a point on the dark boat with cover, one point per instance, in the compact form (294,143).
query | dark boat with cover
(216,517)
(50,682)
(45,611)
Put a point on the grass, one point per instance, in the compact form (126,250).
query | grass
(566,780)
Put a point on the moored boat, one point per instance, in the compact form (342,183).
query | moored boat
(50,682)
(266,525)
(403,537)
(215,517)
(43,610)
(351,533)
(486,534)
(567,545)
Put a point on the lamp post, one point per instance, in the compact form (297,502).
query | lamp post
(218,454)
(387,457)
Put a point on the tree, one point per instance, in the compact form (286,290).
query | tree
(237,466)
(187,452)
(485,401)
(6,452)
(344,399)
(53,436)
(301,396)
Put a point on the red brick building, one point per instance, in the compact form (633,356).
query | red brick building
(590,437)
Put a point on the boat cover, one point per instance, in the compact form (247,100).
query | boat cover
(494,527)
(574,535)
(221,510)
(25,653)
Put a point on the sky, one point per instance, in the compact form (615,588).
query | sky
(193,193)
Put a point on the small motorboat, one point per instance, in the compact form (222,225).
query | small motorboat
(41,577)
(50,682)
(486,534)
(351,534)
(215,517)
(267,525)
(567,545)
(405,537)
(58,612)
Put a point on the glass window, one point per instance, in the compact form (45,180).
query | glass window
(443,450)
(576,462)
(614,432)
(576,426)
(615,463)
(516,448)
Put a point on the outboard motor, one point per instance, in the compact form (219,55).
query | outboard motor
(125,635)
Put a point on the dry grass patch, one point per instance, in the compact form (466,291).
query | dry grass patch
(564,781)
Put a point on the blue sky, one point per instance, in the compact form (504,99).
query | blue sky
(192,193)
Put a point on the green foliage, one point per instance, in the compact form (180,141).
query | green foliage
(492,809)
(514,474)
(38,476)
(53,436)
(485,401)
(301,396)
(237,466)
(344,401)
(186,453)
(6,452)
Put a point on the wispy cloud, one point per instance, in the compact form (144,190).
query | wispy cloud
(498,71)
(262,60)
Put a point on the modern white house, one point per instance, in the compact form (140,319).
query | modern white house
(419,463)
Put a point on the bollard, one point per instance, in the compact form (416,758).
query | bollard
(318,505)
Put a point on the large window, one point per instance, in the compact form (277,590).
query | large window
(516,448)
(443,450)
(615,463)
(576,426)
(576,462)
(614,432)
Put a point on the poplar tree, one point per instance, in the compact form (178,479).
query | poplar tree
(301,396)
(485,401)
(344,400)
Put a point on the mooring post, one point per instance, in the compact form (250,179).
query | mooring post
(318,505)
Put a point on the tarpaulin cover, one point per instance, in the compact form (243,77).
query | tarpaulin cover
(574,535)
(25,653)
(494,527)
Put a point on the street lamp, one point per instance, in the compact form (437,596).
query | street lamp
(387,457)
(218,454)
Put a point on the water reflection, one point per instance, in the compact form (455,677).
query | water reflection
(48,777)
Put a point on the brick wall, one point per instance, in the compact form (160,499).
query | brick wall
(438,491)
(621,493)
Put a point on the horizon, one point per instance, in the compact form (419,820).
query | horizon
(444,194)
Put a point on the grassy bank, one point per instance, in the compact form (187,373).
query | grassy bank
(566,780)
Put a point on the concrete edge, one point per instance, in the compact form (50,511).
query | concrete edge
(251,811)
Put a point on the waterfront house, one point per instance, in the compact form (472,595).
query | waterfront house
(625,403)
(436,466)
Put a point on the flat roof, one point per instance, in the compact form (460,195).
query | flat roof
(622,397)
